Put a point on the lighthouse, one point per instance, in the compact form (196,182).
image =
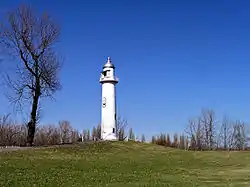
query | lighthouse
(108,110)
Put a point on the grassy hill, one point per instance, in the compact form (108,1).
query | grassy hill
(121,164)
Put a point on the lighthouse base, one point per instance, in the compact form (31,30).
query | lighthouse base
(109,137)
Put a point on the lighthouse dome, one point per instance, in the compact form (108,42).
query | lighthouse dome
(109,64)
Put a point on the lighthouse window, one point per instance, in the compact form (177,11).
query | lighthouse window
(113,130)
(104,73)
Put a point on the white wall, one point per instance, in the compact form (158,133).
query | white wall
(108,112)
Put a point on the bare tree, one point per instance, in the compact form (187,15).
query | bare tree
(168,140)
(175,141)
(121,125)
(30,39)
(186,143)
(65,131)
(88,135)
(98,132)
(54,135)
(75,135)
(233,134)
(7,131)
(10,132)
(182,142)
(208,124)
(131,134)
(85,135)
(195,133)
(143,138)
(201,131)
(225,134)
(153,140)
(239,135)
(94,134)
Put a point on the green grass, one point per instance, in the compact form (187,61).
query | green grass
(123,164)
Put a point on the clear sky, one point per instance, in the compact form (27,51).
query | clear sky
(172,59)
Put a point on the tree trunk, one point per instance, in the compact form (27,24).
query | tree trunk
(33,115)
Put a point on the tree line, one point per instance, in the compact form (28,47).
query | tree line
(206,132)
(12,134)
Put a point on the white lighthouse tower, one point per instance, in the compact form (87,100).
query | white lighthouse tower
(108,81)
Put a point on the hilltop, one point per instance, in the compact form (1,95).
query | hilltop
(123,164)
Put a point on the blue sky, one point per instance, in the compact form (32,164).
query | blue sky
(172,58)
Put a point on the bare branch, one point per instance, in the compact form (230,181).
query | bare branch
(121,125)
